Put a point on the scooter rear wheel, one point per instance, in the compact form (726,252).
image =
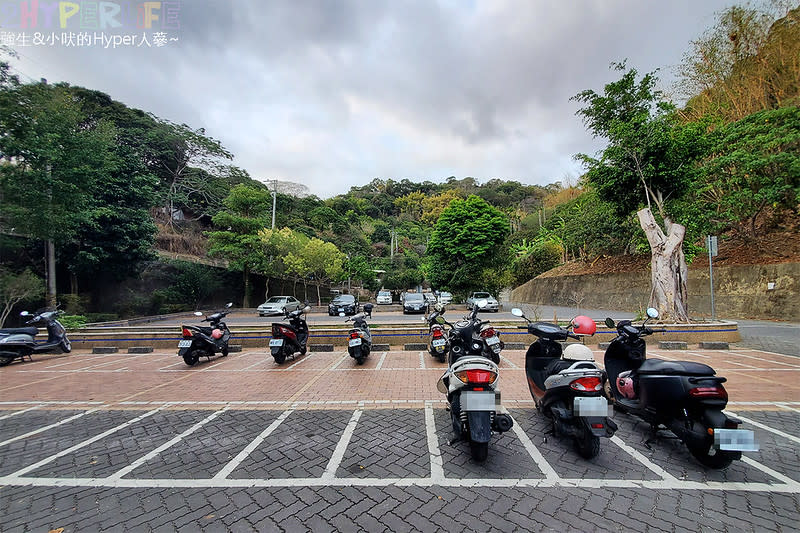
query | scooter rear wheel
(479,450)
(713,458)
(191,358)
(360,360)
(587,445)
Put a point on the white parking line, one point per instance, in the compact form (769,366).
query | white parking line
(657,470)
(85,443)
(233,463)
(422,360)
(45,428)
(766,428)
(787,407)
(767,470)
(738,354)
(509,361)
(437,464)
(341,446)
(380,362)
(21,412)
(303,359)
(143,459)
(548,471)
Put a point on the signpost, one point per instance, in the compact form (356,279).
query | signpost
(711,244)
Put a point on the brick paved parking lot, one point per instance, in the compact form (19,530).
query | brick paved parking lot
(144,443)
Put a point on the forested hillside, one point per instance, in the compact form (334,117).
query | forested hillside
(90,189)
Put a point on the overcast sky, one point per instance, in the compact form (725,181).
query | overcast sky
(332,94)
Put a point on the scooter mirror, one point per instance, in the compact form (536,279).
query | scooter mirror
(610,323)
(483,302)
(198,313)
(24,313)
(228,305)
(652,312)
(516,311)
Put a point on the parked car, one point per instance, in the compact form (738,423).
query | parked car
(445,298)
(344,303)
(384,297)
(279,305)
(414,302)
(492,304)
(430,298)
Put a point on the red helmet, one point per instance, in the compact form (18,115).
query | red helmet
(583,325)
(625,385)
(216,333)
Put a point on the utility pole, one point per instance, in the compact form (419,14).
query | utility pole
(711,244)
(274,195)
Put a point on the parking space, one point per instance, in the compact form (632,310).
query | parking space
(313,434)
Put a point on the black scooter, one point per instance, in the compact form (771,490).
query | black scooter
(205,341)
(20,343)
(566,384)
(438,344)
(473,336)
(288,339)
(359,342)
(682,396)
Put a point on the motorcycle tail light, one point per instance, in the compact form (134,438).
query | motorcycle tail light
(488,332)
(587,384)
(597,426)
(717,392)
(478,377)
(437,333)
(353,334)
(186,333)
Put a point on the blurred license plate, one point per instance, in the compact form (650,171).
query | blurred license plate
(492,340)
(276,342)
(355,342)
(438,342)
(184,344)
(478,401)
(590,406)
(735,440)
(341,310)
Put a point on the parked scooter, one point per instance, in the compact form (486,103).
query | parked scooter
(683,396)
(288,339)
(473,336)
(471,385)
(206,341)
(20,343)
(438,344)
(359,344)
(566,384)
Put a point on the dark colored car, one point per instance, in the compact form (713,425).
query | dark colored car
(344,303)
(414,302)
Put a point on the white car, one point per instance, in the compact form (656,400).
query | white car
(384,297)
(445,298)
(279,305)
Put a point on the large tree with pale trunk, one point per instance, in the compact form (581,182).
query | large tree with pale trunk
(647,164)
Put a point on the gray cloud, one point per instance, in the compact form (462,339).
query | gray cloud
(335,93)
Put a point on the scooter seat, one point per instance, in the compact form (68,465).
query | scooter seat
(557,365)
(19,331)
(681,368)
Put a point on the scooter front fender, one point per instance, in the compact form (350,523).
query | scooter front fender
(480,425)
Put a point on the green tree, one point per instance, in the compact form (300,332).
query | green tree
(324,262)
(284,246)
(16,288)
(238,239)
(649,159)
(754,164)
(466,245)
(54,159)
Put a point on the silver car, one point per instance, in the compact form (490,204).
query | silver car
(279,305)
(493,305)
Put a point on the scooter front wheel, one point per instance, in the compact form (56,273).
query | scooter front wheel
(225,352)
(5,360)
(65,346)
